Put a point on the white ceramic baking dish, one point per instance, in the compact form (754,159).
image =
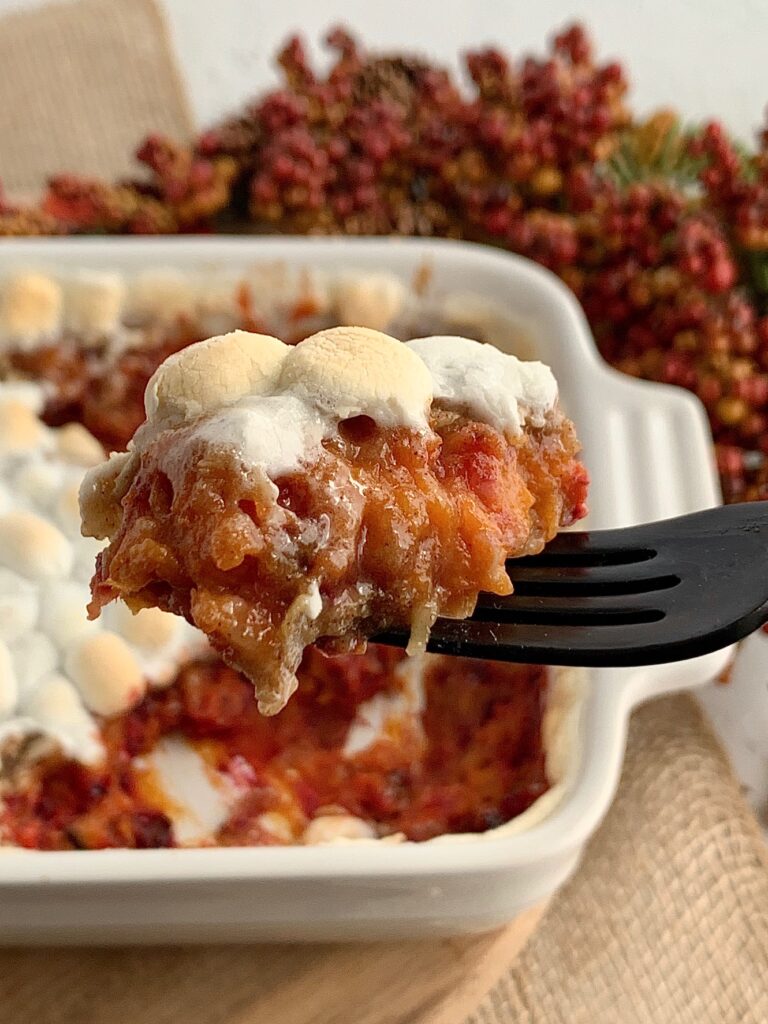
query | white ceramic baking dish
(649,454)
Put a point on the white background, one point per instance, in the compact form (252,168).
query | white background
(707,57)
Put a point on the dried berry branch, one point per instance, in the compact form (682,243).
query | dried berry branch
(661,231)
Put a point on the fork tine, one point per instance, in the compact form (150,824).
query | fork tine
(691,585)
(630,545)
(643,643)
(533,643)
(581,580)
(553,609)
(587,550)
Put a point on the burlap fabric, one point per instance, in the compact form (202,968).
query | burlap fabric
(80,85)
(666,921)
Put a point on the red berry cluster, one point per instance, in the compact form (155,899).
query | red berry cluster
(185,191)
(85,205)
(672,273)
(735,185)
(21,221)
(656,278)
(358,152)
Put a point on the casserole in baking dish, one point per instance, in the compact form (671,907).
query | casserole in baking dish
(647,448)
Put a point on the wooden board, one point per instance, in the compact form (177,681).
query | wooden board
(435,982)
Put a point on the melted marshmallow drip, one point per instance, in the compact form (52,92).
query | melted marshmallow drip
(276,432)
(376,716)
(486,383)
(198,799)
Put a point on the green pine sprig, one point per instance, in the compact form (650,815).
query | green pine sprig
(656,152)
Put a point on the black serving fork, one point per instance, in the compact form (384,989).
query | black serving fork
(642,595)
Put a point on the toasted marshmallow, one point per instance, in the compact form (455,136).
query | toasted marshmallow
(93,302)
(34,657)
(216,304)
(18,606)
(33,547)
(161,641)
(30,309)
(150,628)
(8,687)
(37,481)
(162,294)
(372,300)
(332,828)
(76,444)
(62,617)
(277,825)
(45,566)
(20,429)
(28,392)
(271,404)
(106,672)
(58,711)
(213,374)
(278,286)
(354,371)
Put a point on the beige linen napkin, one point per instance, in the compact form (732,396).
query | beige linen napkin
(81,83)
